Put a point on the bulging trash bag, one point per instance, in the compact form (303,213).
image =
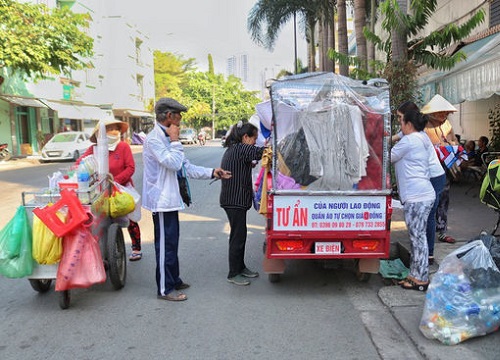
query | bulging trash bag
(463,298)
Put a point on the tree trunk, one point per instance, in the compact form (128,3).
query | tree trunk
(330,64)
(370,46)
(399,38)
(322,43)
(359,23)
(311,63)
(342,33)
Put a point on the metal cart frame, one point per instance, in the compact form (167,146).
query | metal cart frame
(337,222)
(109,234)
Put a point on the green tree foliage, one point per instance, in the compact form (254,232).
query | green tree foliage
(211,64)
(267,18)
(170,73)
(423,50)
(406,27)
(199,91)
(232,102)
(36,41)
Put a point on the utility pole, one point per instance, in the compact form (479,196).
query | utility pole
(213,111)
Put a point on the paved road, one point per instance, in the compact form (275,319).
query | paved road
(313,313)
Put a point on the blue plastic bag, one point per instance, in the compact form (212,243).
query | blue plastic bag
(15,246)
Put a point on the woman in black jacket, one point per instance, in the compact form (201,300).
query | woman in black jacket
(237,194)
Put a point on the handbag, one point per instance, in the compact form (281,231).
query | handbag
(184,186)
(121,203)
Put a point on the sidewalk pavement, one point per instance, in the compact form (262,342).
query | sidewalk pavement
(30,160)
(467,217)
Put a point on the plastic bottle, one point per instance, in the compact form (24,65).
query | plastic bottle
(102,152)
(83,177)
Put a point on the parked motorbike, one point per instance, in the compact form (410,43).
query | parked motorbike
(4,152)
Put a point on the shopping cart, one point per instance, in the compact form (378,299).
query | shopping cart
(109,234)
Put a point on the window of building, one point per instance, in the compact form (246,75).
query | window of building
(494,13)
(140,85)
(138,43)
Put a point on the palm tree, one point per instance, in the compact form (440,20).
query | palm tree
(359,24)
(342,33)
(273,15)
(404,55)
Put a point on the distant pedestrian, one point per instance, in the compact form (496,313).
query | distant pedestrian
(237,195)
(482,145)
(164,157)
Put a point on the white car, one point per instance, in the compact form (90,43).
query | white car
(188,136)
(69,145)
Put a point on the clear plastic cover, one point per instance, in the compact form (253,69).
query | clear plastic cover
(330,132)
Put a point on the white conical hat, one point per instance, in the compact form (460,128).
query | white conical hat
(438,104)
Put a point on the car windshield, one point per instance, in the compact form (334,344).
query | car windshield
(62,137)
(187,131)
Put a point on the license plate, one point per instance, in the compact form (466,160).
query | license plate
(327,248)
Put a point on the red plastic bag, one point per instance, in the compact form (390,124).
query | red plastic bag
(81,263)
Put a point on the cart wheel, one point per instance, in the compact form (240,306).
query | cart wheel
(274,278)
(41,285)
(64,299)
(115,249)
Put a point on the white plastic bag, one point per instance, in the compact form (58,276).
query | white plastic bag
(136,214)
(463,298)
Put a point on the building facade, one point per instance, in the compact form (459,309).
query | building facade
(473,85)
(120,84)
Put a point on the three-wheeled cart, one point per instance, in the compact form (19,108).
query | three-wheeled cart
(328,184)
(108,233)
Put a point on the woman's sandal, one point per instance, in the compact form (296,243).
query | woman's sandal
(409,284)
(401,282)
(135,256)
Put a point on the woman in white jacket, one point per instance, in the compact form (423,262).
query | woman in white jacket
(163,156)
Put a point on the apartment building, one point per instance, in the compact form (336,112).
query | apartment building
(120,84)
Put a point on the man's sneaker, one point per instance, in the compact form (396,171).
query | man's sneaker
(249,273)
(238,280)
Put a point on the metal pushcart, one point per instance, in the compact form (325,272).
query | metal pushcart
(108,233)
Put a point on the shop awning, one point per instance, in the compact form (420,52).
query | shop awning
(138,113)
(477,77)
(94,113)
(78,112)
(132,113)
(22,101)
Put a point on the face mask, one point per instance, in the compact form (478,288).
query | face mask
(113,141)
